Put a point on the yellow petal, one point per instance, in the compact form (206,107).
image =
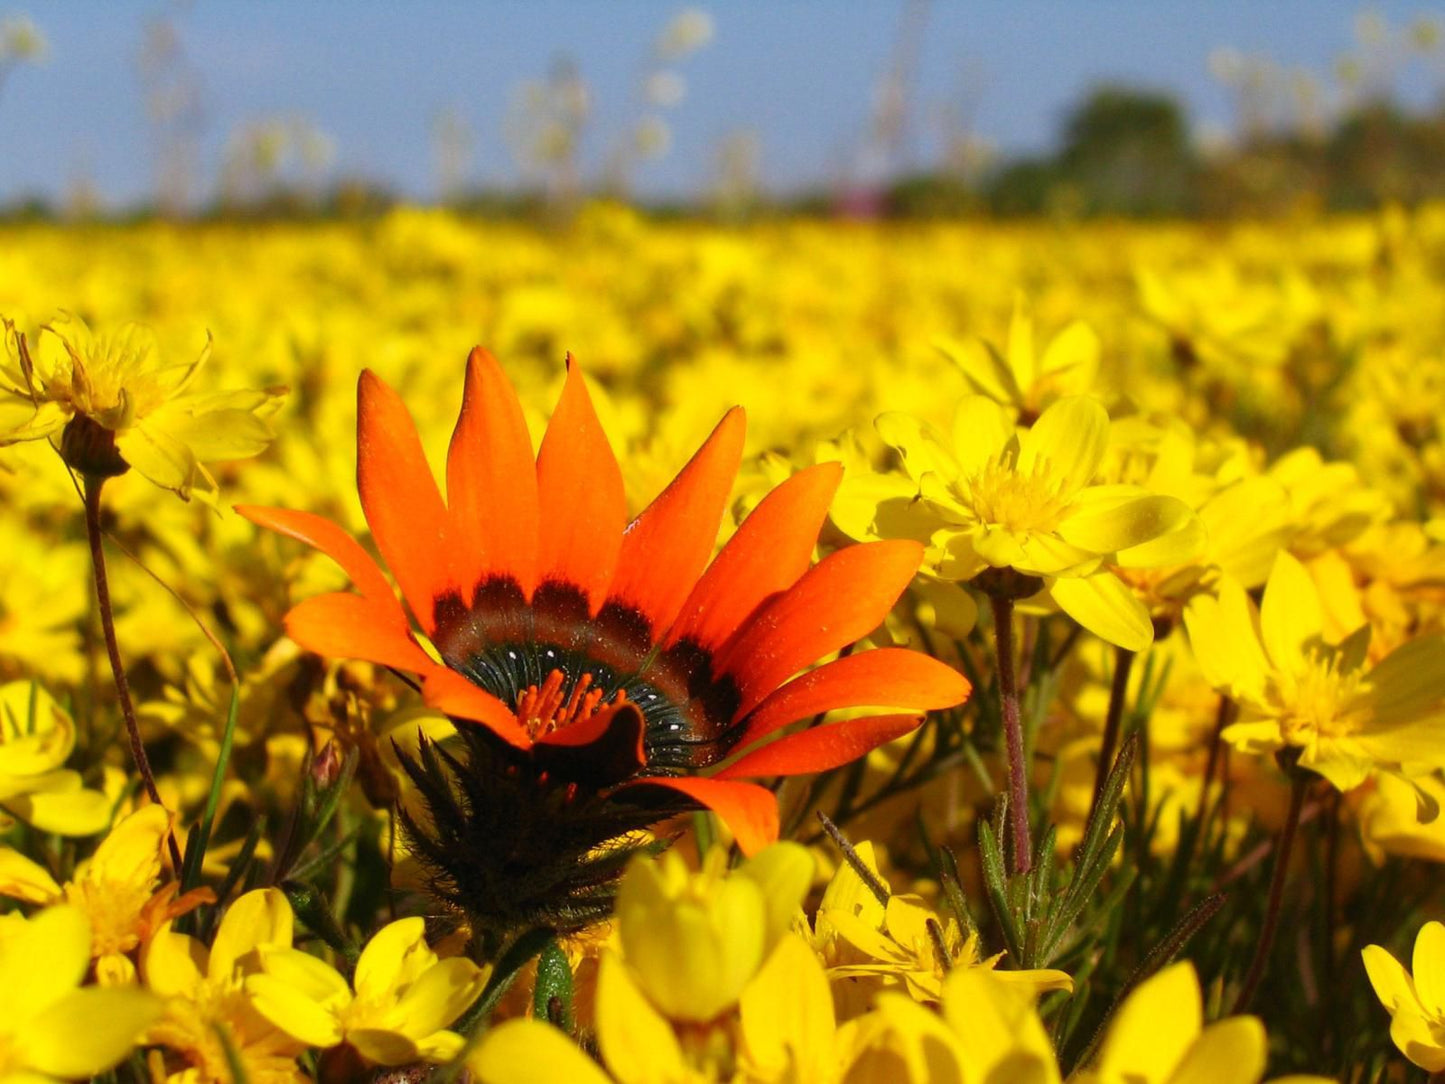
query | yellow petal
(88,1031)
(1067,443)
(131,853)
(921,448)
(314,979)
(1225,642)
(381,1046)
(929,1050)
(43,960)
(1290,617)
(1409,681)
(23,879)
(998,1028)
(1154,1027)
(637,1044)
(440,1046)
(1390,979)
(982,430)
(46,420)
(293,1011)
(985,372)
(1247,525)
(65,812)
(787,1014)
(1232,1051)
(439,996)
(875,506)
(173,964)
(1020,350)
(1183,545)
(261,917)
(531,1052)
(1345,763)
(1419,1040)
(1428,967)
(159,456)
(379,967)
(783,872)
(1074,352)
(1107,608)
(1106,519)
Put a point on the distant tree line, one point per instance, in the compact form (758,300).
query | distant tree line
(1128,152)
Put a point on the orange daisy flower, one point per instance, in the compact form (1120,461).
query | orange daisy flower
(607,662)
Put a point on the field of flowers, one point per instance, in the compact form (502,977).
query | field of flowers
(1040,677)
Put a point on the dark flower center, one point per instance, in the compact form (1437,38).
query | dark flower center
(552,662)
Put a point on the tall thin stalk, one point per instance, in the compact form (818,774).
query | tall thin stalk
(1299,782)
(1020,852)
(93,486)
(1118,694)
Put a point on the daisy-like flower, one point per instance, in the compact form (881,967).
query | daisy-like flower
(1344,719)
(118,889)
(114,405)
(996,497)
(404,998)
(608,664)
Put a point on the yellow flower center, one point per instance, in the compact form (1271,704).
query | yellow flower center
(1002,495)
(1319,701)
(114,909)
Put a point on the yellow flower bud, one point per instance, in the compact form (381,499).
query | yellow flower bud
(693,940)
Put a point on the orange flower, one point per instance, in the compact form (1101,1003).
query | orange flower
(611,655)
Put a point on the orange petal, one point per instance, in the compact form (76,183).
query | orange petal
(400,497)
(580,499)
(749,811)
(347,626)
(823,747)
(891,677)
(843,597)
(771,549)
(452,694)
(331,540)
(492,482)
(666,547)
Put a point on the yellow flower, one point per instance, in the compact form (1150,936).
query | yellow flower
(995,497)
(116,889)
(528,1051)
(205,994)
(44,595)
(1158,1036)
(861,938)
(693,940)
(1416,1003)
(1295,690)
(52,1027)
(115,405)
(405,997)
(1022,377)
(36,737)
(988,1031)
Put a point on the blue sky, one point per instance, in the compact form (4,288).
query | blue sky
(798,73)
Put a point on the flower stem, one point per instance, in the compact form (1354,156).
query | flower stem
(1299,781)
(117,669)
(1020,854)
(1118,693)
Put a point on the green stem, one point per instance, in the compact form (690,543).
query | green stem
(1020,856)
(1298,785)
